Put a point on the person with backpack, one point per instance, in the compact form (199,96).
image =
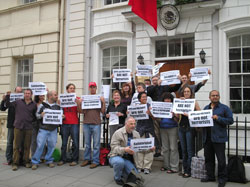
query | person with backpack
(214,139)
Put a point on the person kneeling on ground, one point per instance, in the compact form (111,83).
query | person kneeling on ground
(121,156)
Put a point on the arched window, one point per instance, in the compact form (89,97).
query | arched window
(113,58)
(239,73)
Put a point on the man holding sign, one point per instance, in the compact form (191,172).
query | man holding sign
(47,131)
(214,139)
(92,129)
(10,122)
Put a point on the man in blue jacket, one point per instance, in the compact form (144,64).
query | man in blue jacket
(214,139)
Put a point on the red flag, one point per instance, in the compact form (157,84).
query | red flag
(146,9)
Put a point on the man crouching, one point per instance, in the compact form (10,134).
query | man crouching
(122,156)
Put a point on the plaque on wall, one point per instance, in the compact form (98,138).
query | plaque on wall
(169,17)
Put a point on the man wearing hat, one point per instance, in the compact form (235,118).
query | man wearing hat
(92,129)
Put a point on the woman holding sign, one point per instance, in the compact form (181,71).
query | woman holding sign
(186,134)
(127,91)
(145,127)
(169,137)
(116,113)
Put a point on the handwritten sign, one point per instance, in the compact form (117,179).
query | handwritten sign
(156,68)
(170,77)
(202,118)
(113,118)
(144,70)
(91,101)
(199,74)
(161,109)
(142,144)
(67,100)
(52,117)
(38,88)
(138,111)
(16,96)
(122,75)
(181,106)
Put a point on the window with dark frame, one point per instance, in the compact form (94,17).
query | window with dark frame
(109,2)
(24,72)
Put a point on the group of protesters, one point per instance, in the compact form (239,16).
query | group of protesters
(27,130)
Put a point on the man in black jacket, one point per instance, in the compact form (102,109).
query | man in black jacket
(10,122)
(47,133)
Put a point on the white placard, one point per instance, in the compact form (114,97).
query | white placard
(91,101)
(202,118)
(67,100)
(170,77)
(52,117)
(144,70)
(138,111)
(113,118)
(181,106)
(156,68)
(142,144)
(105,94)
(162,109)
(16,96)
(199,74)
(38,88)
(122,75)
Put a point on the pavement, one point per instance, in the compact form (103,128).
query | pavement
(76,176)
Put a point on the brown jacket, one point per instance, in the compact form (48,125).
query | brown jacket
(119,142)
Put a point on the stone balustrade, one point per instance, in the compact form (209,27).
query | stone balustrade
(3,130)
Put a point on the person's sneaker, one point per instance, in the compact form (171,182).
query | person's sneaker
(119,182)
(73,163)
(60,163)
(14,167)
(92,166)
(28,165)
(146,171)
(221,184)
(207,180)
(9,162)
(85,163)
(157,154)
(51,165)
(139,170)
(34,167)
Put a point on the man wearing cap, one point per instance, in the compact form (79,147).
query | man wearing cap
(92,128)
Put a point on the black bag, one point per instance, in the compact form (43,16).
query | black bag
(236,170)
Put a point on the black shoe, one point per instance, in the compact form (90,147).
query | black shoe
(207,180)
(119,182)
(157,154)
(221,184)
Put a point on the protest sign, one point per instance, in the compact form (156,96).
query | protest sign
(181,106)
(53,117)
(156,68)
(91,101)
(67,100)
(170,77)
(113,118)
(16,96)
(122,75)
(138,111)
(202,118)
(199,74)
(142,144)
(144,70)
(105,94)
(38,88)
(161,109)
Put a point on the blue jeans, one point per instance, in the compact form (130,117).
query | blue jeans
(9,148)
(44,136)
(122,167)
(186,140)
(73,131)
(90,131)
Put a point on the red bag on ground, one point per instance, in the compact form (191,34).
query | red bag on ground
(104,156)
